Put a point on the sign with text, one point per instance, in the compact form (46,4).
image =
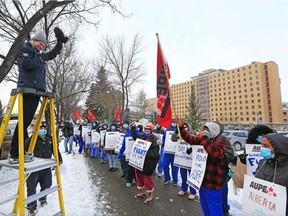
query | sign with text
(253,158)
(119,142)
(95,136)
(199,161)
(102,137)
(111,138)
(128,147)
(76,130)
(169,146)
(138,153)
(181,158)
(263,198)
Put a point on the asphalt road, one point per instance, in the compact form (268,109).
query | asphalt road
(121,202)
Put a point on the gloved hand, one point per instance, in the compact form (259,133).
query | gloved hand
(242,158)
(60,35)
(189,151)
(175,137)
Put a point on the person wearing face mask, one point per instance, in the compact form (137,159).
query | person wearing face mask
(160,130)
(31,62)
(122,158)
(112,156)
(274,166)
(168,159)
(103,155)
(216,168)
(144,178)
(43,149)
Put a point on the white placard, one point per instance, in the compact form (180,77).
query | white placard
(102,136)
(253,158)
(181,158)
(85,130)
(138,154)
(199,161)
(111,138)
(76,130)
(119,142)
(261,197)
(169,146)
(95,136)
(128,147)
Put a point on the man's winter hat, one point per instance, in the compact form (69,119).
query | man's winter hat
(43,125)
(213,128)
(39,36)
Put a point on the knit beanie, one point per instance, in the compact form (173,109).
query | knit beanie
(213,128)
(39,36)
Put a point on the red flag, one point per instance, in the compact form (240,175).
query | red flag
(117,114)
(90,115)
(164,112)
(77,114)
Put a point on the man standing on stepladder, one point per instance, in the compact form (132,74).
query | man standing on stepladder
(31,63)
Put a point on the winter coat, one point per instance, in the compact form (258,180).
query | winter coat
(67,129)
(43,147)
(266,167)
(151,158)
(31,65)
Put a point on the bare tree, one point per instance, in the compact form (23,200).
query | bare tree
(123,64)
(140,104)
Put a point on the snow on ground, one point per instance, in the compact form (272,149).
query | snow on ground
(80,193)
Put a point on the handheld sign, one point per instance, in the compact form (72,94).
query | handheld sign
(95,136)
(199,161)
(263,198)
(102,136)
(169,146)
(119,142)
(111,138)
(253,158)
(181,158)
(128,147)
(76,130)
(138,154)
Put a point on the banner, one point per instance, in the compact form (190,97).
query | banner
(253,158)
(261,197)
(164,112)
(199,161)
(111,138)
(169,146)
(90,115)
(181,158)
(138,154)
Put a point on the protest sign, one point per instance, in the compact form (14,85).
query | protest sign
(128,147)
(169,146)
(119,142)
(181,158)
(111,138)
(253,158)
(95,136)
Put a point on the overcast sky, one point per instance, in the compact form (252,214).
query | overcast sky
(199,35)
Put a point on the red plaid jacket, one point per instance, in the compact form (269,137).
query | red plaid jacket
(214,174)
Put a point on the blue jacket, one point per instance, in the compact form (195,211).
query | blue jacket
(31,65)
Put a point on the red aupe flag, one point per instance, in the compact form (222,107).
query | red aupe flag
(77,115)
(164,112)
(90,115)
(117,114)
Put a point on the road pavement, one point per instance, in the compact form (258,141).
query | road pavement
(121,202)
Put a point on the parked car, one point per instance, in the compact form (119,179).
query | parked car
(5,148)
(237,138)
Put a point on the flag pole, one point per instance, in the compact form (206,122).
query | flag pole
(170,92)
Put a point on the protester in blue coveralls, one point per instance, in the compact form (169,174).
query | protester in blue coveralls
(168,159)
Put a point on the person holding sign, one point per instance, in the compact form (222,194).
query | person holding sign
(216,170)
(144,178)
(168,158)
(274,166)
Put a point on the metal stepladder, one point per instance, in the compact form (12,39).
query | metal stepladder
(37,164)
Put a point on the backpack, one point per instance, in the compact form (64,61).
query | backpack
(229,152)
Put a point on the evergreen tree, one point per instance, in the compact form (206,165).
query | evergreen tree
(100,98)
(194,115)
